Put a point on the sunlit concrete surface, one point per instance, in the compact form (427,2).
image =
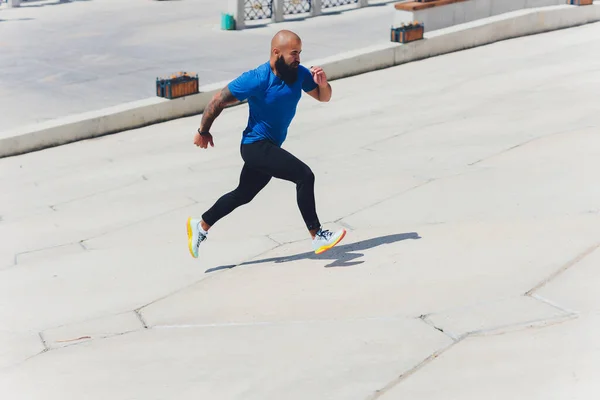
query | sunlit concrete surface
(468,185)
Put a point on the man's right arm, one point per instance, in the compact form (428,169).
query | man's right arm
(214,108)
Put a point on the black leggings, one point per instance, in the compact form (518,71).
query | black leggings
(262,161)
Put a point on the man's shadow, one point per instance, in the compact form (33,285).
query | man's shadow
(342,256)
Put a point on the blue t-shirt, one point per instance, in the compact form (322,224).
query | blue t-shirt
(272,102)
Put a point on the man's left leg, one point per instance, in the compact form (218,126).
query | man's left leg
(250,184)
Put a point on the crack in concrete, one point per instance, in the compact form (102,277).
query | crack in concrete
(46,348)
(275,323)
(562,269)
(141,318)
(534,323)
(451,335)
(119,228)
(16,262)
(562,132)
(553,304)
(87,339)
(192,199)
(380,392)
(411,130)
(278,243)
(82,242)
(500,329)
(338,221)
(19,363)
(427,182)
(136,182)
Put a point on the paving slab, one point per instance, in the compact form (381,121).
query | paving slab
(232,362)
(467,209)
(559,362)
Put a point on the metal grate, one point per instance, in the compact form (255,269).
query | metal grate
(296,6)
(258,9)
(336,3)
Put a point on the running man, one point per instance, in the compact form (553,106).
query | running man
(273,91)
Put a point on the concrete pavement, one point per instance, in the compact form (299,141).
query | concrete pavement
(60,59)
(468,186)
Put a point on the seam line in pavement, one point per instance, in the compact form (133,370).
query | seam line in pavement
(562,269)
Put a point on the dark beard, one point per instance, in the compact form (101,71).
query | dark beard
(287,73)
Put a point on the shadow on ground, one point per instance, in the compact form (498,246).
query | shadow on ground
(342,256)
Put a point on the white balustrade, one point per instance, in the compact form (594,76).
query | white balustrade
(275,10)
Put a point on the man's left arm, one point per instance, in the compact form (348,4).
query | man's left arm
(322,91)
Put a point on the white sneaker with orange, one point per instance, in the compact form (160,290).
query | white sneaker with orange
(196,235)
(325,240)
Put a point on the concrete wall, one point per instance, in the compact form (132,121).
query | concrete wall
(467,11)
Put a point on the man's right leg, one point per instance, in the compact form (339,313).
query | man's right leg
(251,182)
(279,163)
(274,161)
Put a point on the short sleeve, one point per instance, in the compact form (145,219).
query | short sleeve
(308,83)
(246,85)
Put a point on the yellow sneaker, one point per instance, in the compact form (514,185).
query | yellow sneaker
(196,235)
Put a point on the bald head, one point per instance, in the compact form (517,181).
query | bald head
(286,47)
(283,39)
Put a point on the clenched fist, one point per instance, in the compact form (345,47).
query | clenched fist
(203,140)
(319,76)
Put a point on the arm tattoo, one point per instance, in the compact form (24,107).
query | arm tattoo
(214,108)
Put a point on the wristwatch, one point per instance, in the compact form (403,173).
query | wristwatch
(203,133)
